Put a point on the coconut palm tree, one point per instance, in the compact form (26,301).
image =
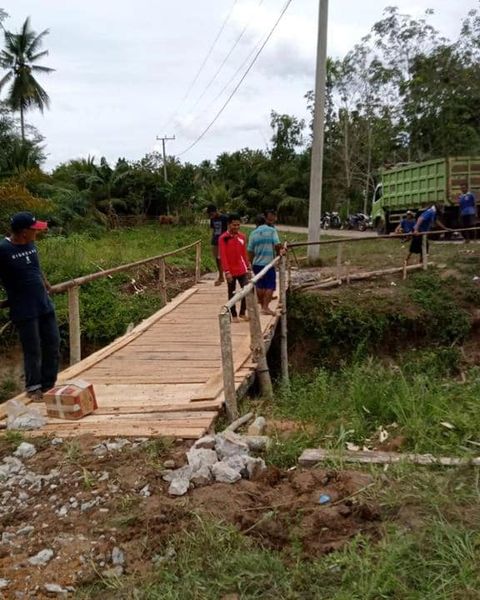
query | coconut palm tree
(19,57)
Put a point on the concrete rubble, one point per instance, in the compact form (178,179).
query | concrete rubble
(223,458)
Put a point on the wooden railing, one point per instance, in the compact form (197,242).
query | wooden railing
(72,287)
(259,353)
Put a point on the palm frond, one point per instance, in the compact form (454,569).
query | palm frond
(35,44)
(41,69)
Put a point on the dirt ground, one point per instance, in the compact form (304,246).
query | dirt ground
(88,505)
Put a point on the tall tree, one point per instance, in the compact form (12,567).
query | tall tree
(19,58)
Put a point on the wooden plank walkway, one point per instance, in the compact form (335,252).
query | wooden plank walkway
(163,378)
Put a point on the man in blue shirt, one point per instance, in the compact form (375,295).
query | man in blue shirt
(31,309)
(263,246)
(427,219)
(407,223)
(468,211)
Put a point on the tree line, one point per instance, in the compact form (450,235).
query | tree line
(403,93)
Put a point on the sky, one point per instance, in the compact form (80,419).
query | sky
(126,72)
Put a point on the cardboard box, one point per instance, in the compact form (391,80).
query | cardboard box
(72,400)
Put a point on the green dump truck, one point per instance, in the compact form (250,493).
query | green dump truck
(415,186)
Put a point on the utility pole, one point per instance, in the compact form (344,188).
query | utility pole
(316,174)
(165,139)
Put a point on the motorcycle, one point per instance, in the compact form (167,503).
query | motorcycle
(325,221)
(358,221)
(335,220)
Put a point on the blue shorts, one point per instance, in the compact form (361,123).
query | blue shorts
(268,281)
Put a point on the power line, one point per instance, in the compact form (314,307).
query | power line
(235,89)
(204,62)
(237,41)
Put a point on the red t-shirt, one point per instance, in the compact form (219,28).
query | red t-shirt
(233,253)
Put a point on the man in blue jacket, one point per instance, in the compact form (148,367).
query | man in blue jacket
(31,309)
(468,211)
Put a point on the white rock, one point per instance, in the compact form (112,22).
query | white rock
(57,442)
(257,427)
(169,464)
(255,466)
(179,486)
(118,557)
(7,537)
(230,444)
(202,477)
(182,473)
(225,474)
(54,588)
(104,476)
(145,491)
(25,450)
(201,458)
(4,583)
(258,443)
(206,442)
(118,444)
(27,530)
(238,463)
(42,558)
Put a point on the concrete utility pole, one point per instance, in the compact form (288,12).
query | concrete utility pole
(165,139)
(315,206)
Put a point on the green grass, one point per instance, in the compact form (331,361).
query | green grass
(412,400)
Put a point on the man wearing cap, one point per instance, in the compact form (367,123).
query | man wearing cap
(31,309)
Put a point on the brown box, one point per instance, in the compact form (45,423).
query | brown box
(72,400)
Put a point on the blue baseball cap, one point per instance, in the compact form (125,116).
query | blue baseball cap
(25,220)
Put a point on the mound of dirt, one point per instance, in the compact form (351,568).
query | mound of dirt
(102,511)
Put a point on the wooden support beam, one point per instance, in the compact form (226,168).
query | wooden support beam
(339,261)
(74,324)
(424,253)
(259,354)
(283,320)
(162,281)
(312,457)
(198,262)
(228,366)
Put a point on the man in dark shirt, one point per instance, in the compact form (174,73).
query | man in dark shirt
(468,211)
(218,225)
(31,309)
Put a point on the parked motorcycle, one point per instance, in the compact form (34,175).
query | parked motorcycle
(359,222)
(325,221)
(335,220)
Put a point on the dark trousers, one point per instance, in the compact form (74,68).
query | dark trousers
(242,280)
(40,343)
(467,222)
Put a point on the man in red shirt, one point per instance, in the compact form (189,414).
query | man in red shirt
(233,254)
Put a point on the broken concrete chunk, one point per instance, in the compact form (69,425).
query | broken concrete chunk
(207,442)
(25,450)
(169,464)
(237,463)
(118,557)
(54,588)
(257,443)
(182,473)
(257,427)
(145,491)
(202,477)
(198,458)
(27,530)
(225,474)
(4,583)
(57,442)
(42,558)
(230,444)
(179,486)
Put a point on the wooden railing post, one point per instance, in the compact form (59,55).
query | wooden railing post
(259,354)
(198,262)
(228,366)
(424,253)
(283,320)
(339,261)
(162,281)
(74,324)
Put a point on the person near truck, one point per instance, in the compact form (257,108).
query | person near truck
(407,223)
(31,309)
(218,225)
(236,266)
(427,219)
(468,211)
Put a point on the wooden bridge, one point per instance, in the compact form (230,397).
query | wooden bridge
(165,377)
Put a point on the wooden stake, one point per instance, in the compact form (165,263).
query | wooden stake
(259,354)
(74,325)
(198,262)
(339,261)
(162,282)
(228,367)
(424,253)
(404,275)
(283,321)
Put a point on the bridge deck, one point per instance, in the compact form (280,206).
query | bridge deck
(164,377)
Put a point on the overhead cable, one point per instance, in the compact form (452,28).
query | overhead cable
(235,89)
